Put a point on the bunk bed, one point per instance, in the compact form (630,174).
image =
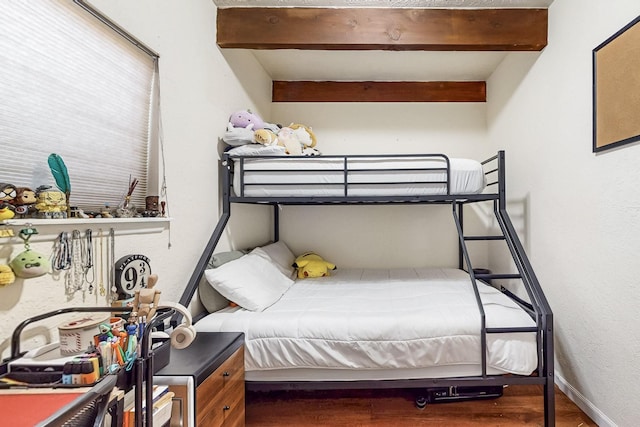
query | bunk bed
(497,338)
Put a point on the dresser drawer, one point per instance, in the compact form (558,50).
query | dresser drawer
(220,398)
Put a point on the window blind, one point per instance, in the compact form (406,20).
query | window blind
(71,85)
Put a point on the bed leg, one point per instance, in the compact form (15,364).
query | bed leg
(421,402)
(549,403)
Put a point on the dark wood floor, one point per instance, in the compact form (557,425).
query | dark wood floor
(519,406)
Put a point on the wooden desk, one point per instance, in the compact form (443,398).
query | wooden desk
(209,378)
(27,407)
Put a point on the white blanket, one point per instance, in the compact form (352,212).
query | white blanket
(381,319)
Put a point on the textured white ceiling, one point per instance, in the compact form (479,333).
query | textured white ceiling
(381,65)
(387,3)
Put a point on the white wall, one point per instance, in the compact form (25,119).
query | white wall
(583,208)
(383,236)
(199,90)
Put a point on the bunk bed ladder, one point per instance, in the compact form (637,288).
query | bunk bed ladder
(539,308)
(543,313)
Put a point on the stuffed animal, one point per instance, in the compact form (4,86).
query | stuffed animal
(238,136)
(29,263)
(265,137)
(50,204)
(7,195)
(310,264)
(244,118)
(6,275)
(305,134)
(24,201)
(289,140)
(298,140)
(7,211)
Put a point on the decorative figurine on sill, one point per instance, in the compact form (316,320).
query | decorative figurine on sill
(25,201)
(151,207)
(7,195)
(7,192)
(6,211)
(61,177)
(106,212)
(145,302)
(50,204)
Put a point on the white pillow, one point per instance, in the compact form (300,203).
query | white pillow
(252,282)
(281,255)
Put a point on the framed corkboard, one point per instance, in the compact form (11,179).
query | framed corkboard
(616,89)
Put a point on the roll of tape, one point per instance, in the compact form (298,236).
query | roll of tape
(76,335)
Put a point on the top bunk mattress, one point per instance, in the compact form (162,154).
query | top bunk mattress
(381,319)
(356,176)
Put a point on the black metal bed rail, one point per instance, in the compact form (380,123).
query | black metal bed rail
(347,173)
(489,380)
(492,165)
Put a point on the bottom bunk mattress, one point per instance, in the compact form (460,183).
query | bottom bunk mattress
(380,324)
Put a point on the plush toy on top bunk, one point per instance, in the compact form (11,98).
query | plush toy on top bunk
(295,139)
(246,128)
(310,264)
(242,126)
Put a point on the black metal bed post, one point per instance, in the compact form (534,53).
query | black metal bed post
(502,181)
(467,259)
(543,309)
(460,250)
(276,222)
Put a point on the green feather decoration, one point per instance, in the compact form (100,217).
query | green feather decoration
(60,173)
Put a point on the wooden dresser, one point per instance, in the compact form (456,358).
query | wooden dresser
(208,379)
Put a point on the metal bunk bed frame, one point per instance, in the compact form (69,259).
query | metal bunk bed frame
(538,307)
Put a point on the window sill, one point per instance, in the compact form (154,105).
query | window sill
(125,225)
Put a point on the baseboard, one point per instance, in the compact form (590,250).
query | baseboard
(584,404)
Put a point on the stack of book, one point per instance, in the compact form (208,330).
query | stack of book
(162,404)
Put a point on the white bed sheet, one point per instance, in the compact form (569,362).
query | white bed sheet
(406,320)
(327,176)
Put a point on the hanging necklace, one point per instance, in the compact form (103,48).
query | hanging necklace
(76,260)
(101,288)
(87,260)
(61,258)
(111,264)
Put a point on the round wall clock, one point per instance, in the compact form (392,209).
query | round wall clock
(131,274)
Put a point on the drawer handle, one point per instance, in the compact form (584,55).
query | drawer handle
(225,374)
(226,408)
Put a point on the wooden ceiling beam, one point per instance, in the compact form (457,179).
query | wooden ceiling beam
(382,29)
(332,91)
